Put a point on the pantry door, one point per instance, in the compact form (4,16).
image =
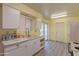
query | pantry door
(60,31)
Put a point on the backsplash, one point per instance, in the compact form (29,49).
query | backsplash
(10,34)
(3,31)
(5,34)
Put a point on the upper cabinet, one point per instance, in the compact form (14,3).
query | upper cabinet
(10,17)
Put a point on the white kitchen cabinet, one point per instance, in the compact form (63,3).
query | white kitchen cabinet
(34,46)
(25,48)
(10,17)
(20,50)
(30,48)
(15,52)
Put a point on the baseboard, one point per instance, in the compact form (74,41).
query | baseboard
(59,41)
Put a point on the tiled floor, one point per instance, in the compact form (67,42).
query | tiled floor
(54,49)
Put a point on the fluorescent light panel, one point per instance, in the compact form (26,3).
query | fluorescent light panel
(63,14)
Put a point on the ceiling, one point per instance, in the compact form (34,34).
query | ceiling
(47,9)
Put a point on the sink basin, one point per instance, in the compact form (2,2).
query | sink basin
(77,48)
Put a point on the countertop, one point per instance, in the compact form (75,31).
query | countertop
(19,40)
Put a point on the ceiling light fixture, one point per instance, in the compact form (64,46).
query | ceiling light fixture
(59,15)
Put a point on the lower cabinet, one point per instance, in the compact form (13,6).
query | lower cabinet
(27,48)
(17,50)
(35,46)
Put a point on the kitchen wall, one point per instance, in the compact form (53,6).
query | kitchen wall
(74,29)
(65,20)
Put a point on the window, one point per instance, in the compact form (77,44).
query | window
(28,23)
(42,29)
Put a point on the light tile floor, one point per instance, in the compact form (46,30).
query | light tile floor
(53,48)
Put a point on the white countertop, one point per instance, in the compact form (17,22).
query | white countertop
(10,42)
(18,40)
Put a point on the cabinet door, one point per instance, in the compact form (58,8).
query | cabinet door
(36,44)
(30,48)
(11,17)
(26,49)
(23,49)
(17,50)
